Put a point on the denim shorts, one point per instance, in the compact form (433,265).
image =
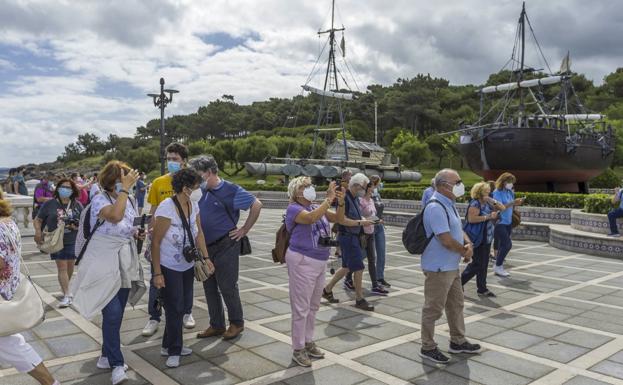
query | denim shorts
(65,254)
(352,257)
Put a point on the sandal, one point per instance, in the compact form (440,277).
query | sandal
(329,296)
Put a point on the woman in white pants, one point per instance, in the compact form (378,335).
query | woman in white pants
(14,350)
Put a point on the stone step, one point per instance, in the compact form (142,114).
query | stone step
(571,239)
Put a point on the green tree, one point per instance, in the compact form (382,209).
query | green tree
(410,150)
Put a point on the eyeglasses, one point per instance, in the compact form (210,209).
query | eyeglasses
(458,182)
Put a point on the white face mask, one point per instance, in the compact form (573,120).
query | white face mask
(458,190)
(196,195)
(309,193)
(509,186)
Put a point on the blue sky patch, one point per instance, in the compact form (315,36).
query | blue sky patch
(226,41)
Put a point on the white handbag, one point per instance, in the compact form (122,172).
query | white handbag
(25,310)
(53,240)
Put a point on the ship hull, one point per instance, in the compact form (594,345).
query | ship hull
(541,159)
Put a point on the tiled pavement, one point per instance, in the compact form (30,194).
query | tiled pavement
(557,320)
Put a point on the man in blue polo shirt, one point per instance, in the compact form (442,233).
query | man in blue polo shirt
(219,210)
(440,264)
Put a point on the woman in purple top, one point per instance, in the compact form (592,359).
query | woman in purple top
(306,258)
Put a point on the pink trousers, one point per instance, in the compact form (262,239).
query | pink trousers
(306,281)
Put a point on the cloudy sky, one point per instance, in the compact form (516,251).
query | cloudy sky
(68,67)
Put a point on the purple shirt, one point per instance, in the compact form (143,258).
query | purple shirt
(304,238)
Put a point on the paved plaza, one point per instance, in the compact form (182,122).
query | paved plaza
(557,320)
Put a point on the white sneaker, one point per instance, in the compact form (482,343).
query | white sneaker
(65,302)
(102,363)
(189,321)
(119,375)
(615,235)
(151,328)
(499,270)
(185,351)
(173,362)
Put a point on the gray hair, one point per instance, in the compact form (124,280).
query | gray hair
(432,182)
(442,176)
(204,163)
(359,179)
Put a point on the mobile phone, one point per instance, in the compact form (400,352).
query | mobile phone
(137,220)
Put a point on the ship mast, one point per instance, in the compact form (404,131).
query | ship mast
(522,23)
(331,74)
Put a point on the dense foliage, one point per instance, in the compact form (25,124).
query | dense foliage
(410,113)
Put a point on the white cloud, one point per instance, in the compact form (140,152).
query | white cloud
(134,43)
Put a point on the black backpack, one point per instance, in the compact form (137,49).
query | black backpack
(414,236)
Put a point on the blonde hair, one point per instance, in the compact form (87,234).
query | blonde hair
(478,190)
(295,184)
(506,177)
(5,205)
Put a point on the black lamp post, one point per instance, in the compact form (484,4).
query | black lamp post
(161,101)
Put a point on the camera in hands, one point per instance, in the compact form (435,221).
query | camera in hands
(327,242)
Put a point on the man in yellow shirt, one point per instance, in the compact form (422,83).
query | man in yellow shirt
(161,189)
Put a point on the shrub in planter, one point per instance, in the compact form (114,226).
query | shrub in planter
(598,203)
(607,179)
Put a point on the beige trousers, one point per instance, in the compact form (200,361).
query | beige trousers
(442,290)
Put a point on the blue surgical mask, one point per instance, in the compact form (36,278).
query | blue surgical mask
(204,185)
(173,167)
(64,192)
(118,187)
(380,186)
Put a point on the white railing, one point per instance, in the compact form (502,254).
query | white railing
(22,209)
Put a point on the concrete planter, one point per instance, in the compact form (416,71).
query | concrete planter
(593,223)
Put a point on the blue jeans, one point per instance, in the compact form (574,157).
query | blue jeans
(502,234)
(154,313)
(178,288)
(112,316)
(612,218)
(223,284)
(379,242)
(478,267)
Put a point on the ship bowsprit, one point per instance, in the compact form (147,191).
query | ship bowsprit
(541,159)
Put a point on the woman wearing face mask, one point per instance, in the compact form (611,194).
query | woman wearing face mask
(173,272)
(379,231)
(110,274)
(306,259)
(349,231)
(63,208)
(505,195)
(368,210)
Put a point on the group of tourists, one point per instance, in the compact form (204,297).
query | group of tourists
(192,233)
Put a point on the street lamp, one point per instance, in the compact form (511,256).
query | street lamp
(161,101)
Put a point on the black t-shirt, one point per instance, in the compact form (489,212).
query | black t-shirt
(52,212)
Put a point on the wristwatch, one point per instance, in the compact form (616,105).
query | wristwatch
(124,191)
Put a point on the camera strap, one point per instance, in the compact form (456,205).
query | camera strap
(185,221)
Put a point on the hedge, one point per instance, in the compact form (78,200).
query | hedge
(598,203)
(591,203)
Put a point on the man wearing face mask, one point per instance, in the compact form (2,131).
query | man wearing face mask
(349,231)
(505,195)
(219,210)
(161,189)
(440,264)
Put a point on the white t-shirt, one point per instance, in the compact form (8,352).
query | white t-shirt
(124,229)
(172,245)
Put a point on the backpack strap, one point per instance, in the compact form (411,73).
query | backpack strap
(444,209)
(99,222)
